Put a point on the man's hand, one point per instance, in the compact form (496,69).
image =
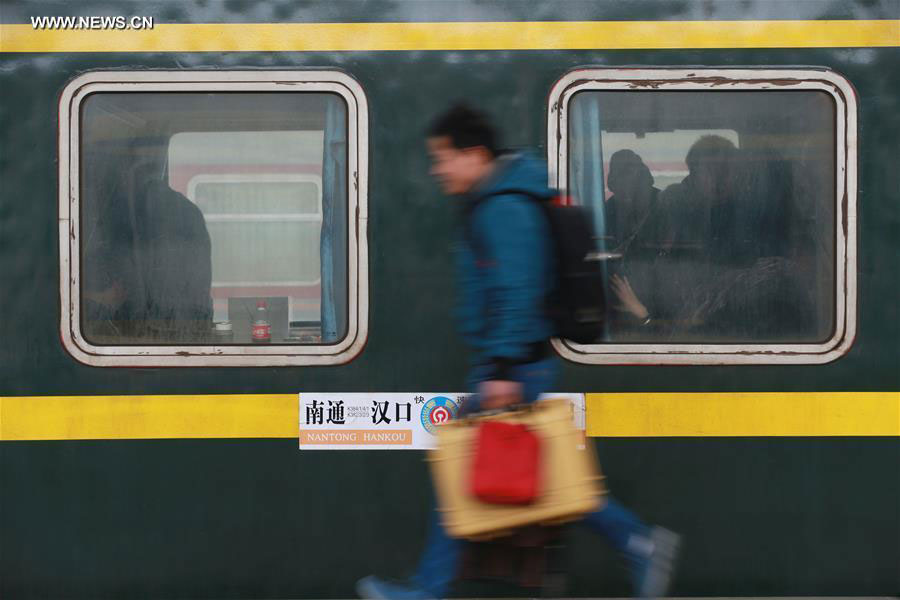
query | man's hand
(498,394)
(628,300)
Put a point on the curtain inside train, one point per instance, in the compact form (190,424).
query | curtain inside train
(586,177)
(333,241)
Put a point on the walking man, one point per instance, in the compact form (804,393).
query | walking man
(505,267)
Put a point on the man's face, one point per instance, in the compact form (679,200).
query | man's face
(712,181)
(622,180)
(456,170)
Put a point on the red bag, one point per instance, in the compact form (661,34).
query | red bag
(506,465)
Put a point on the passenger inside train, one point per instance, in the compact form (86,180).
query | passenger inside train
(142,229)
(634,231)
(715,247)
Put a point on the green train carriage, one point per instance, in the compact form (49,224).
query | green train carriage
(143,463)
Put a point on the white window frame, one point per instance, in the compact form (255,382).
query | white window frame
(712,80)
(211,355)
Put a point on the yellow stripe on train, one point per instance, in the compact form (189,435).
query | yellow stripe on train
(149,417)
(572,35)
(789,414)
(744,414)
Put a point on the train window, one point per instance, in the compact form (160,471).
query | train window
(213,218)
(724,206)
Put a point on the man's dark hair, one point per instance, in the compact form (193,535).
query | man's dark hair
(466,128)
(713,151)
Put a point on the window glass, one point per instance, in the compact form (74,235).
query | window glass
(198,210)
(714,212)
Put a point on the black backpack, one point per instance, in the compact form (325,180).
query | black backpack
(577,301)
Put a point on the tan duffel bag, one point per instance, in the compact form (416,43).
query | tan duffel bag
(570,480)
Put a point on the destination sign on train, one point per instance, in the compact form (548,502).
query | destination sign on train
(385,421)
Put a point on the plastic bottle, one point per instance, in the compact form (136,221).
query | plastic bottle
(262,328)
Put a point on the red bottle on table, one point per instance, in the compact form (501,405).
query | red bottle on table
(262,329)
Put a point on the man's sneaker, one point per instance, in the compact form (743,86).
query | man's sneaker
(654,574)
(373,588)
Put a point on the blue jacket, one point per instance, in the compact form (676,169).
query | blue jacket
(505,266)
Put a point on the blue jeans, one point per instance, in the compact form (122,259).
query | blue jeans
(439,563)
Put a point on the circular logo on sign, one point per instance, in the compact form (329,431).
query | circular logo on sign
(438,411)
